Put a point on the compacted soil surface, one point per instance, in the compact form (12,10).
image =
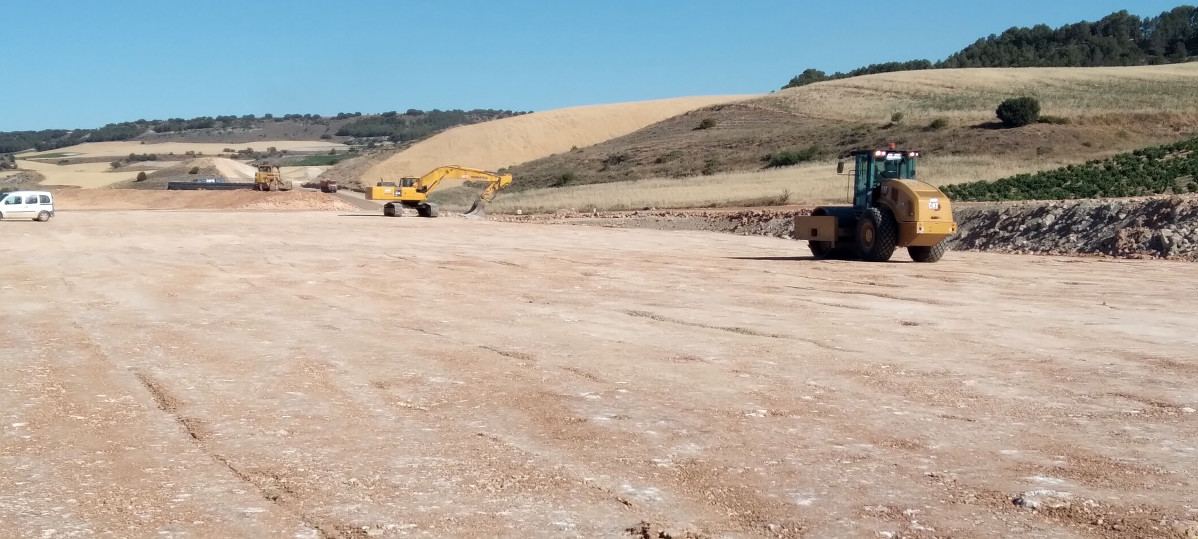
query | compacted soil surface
(341,374)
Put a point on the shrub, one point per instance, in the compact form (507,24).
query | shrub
(668,156)
(1018,111)
(565,178)
(194,170)
(707,123)
(325,136)
(615,159)
(141,176)
(937,124)
(711,166)
(787,158)
(897,118)
(115,164)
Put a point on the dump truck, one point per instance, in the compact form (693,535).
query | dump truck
(412,192)
(328,186)
(269,177)
(890,209)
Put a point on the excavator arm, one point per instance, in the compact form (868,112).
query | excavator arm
(429,181)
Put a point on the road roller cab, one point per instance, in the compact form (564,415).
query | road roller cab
(890,209)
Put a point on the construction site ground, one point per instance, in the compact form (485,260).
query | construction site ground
(337,373)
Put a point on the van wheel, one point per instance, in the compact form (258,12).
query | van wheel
(43,216)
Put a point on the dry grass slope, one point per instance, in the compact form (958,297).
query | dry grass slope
(972,94)
(1104,110)
(510,141)
(806,184)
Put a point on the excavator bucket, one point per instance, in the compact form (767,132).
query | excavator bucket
(479,209)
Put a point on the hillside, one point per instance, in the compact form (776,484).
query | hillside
(510,141)
(1095,112)
(1119,39)
(344,127)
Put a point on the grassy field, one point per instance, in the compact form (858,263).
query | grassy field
(972,94)
(815,183)
(1098,112)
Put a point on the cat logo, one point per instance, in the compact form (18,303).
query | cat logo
(934,204)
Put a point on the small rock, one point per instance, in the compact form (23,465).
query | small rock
(1043,499)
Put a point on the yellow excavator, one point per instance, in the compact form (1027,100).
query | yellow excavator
(412,192)
(269,177)
(890,209)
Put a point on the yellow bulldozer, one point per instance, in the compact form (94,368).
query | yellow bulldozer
(270,178)
(890,209)
(412,192)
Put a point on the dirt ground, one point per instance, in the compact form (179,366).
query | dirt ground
(341,374)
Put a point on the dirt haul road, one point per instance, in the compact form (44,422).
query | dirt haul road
(241,374)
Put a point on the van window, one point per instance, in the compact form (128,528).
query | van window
(12,200)
(31,199)
(45,199)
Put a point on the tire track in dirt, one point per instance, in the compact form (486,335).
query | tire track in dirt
(730,329)
(882,295)
(198,431)
(550,417)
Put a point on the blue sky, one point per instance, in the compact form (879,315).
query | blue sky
(84,63)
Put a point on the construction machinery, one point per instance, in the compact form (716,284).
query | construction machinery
(412,192)
(270,178)
(890,209)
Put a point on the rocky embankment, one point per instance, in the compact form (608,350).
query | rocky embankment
(1158,227)
(1150,227)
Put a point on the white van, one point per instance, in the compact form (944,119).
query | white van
(36,205)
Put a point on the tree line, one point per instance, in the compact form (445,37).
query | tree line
(1119,39)
(425,123)
(416,124)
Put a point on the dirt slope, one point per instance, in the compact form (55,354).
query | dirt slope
(87,175)
(1107,110)
(509,141)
